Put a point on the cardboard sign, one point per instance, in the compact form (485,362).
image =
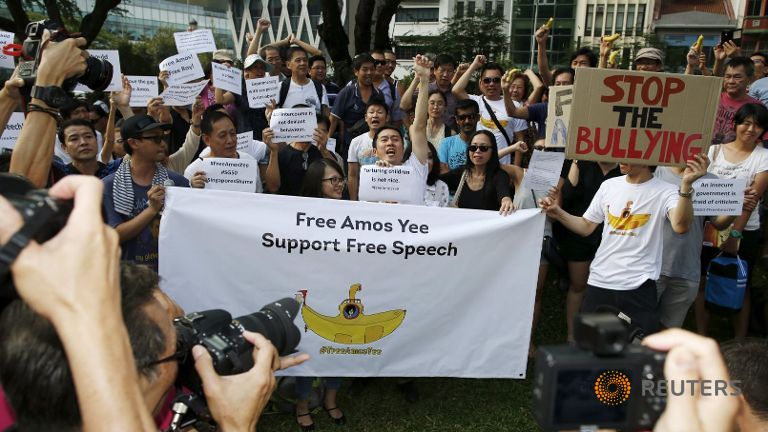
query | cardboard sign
(293,124)
(390,184)
(262,90)
(244,140)
(227,78)
(182,94)
(558,115)
(6,61)
(641,117)
(238,175)
(715,197)
(544,170)
(143,88)
(182,68)
(11,132)
(198,41)
(112,56)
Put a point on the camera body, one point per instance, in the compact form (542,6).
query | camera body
(599,382)
(98,73)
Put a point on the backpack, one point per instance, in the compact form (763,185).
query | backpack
(286,85)
(726,284)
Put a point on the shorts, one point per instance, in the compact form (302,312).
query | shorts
(639,304)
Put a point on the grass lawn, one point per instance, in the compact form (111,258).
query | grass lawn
(450,404)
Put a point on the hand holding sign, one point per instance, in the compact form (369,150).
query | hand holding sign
(262,90)
(227,78)
(295,124)
(182,68)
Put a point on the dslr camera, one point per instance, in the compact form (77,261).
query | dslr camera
(98,72)
(598,382)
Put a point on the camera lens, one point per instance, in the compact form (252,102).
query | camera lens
(275,322)
(98,74)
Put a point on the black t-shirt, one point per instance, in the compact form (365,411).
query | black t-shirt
(249,119)
(293,166)
(488,198)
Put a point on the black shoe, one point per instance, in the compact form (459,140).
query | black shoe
(409,391)
(308,428)
(341,421)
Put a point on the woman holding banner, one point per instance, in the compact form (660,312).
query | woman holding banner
(324,179)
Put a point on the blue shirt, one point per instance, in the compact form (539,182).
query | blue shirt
(537,113)
(759,90)
(453,151)
(350,108)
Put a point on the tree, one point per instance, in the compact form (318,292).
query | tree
(466,37)
(63,11)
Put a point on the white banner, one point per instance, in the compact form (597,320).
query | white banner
(387,290)
(227,78)
(293,124)
(558,115)
(182,94)
(182,68)
(198,41)
(396,184)
(12,130)
(6,61)
(715,197)
(237,175)
(262,90)
(143,88)
(112,56)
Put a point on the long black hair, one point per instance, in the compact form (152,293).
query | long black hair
(434,174)
(313,178)
(493,164)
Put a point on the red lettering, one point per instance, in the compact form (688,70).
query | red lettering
(612,82)
(689,151)
(614,138)
(601,150)
(646,95)
(634,81)
(674,146)
(653,139)
(671,86)
(583,138)
(631,151)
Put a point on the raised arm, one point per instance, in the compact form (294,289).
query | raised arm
(272,178)
(182,157)
(538,87)
(10,98)
(542,34)
(109,133)
(122,99)
(422,66)
(460,88)
(460,71)
(255,43)
(311,51)
(406,101)
(681,216)
(576,224)
(512,110)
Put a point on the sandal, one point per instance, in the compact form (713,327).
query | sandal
(338,421)
(307,428)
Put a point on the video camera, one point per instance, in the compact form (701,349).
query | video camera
(598,383)
(98,72)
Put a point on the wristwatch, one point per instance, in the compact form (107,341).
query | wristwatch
(54,97)
(685,194)
(736,234)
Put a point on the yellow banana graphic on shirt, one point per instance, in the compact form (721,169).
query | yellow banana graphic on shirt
(626,220)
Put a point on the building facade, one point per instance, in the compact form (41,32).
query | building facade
(755,26)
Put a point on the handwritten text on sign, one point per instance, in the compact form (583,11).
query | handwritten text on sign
(262,90)
(182,68)
(544,170)
(641,117)
(6,61)
(558,115)
(718,197)
(390,184)
(294,124)
(143,88)
(198,41)
(238,175)
(227,78)
(182,94)
(12,130)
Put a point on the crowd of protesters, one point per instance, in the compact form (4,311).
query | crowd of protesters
(467,150)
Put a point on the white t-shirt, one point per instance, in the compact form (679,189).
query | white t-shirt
(197,165)
(511,125)
(634,217)
(748,169)
(58,150)
(361,150)
(419,169)
(257,149)
(305,94)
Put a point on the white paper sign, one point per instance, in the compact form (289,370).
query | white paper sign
(244,140)
(293,124)
(182,94)
(715,197)
(112,56)
(11,132)
(182,68)
(558,115)
(390,184)
(198,41)
(6,61)
(544,170)
(227,78)
(237,175)
(331,144)
(143,88)
(262,90)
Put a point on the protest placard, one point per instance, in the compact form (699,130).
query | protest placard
(422,319)
(227,78)
(641,117)
(112,56)
(11,132)
(390,184)
(198,41)
(244,140)
(715,197)
(143,88)
(182,68)
(262,90)
(331,144)
(558,115)
(293,124)
(182,94)
(6,61)
(237,175)
(544,170)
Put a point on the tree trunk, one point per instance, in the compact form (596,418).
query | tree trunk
(336,41)
(92,22)
(19,21)
(381,36)
(363,21)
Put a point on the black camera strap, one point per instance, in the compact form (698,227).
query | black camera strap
(20,239)
(496,121)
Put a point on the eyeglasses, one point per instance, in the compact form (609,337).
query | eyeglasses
(462,117)
(305,160)
(175,357)
(488,80)
(379,62)
(229,62)
(336,181)
(156,138)
(481,149)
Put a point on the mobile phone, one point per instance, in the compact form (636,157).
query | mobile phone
(730,35)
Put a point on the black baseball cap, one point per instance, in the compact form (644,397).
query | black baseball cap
(135,126)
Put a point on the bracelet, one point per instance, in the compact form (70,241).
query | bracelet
(685,194)
(50,111)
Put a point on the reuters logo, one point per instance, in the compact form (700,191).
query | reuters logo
(612,387)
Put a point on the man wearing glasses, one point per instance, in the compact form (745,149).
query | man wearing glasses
(452,150)
(493,113)
(134,195)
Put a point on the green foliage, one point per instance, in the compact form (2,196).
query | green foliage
(468,36)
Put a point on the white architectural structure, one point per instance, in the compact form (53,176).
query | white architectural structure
(595,18)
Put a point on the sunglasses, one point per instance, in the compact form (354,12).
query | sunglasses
(336,181)
(462,117)
(156,138)
(482,149)
(379,62)
(488,80)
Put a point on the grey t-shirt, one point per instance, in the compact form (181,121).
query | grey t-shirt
(681,256)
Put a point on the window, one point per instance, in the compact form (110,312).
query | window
(640,18)
(408,51)
(630,18)
(471,8)
(620,19)
(500,8)
(609,20)
(418,15)
(753,9)
(459,9)
(488,8)
(599,20)
(590,18)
